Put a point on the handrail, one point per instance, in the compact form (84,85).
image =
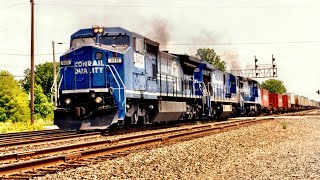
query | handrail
(52,88)
(113,70)
(59,86)
(203,88)
(123,85)
(116,81)
(118,75)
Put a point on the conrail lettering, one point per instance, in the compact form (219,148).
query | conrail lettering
(83,67)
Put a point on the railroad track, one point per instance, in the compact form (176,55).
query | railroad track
(11,140)
(16,140)
(29,164)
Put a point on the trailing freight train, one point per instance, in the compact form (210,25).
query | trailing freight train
(113,77)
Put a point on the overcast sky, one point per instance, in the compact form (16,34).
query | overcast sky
(237,29)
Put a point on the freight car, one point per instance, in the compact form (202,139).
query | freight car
(265,107)
(276,103)
(114,77)
(286,103)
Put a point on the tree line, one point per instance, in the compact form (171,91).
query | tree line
(14,94)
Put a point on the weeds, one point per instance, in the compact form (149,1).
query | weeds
(10,126)
(284,125)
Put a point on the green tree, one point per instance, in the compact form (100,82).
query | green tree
(14,103)
(42,106)
(211,57)
(274,86)
(43,76)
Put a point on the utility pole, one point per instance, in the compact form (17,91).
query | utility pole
(54,75)
(32,63)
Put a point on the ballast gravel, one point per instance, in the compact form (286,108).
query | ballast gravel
(280,149)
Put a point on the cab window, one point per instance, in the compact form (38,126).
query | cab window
(78,42)
(138,44)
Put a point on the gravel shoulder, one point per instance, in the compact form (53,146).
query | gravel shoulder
(280,149)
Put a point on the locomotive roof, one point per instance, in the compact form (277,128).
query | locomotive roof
(188,58)
(88,31)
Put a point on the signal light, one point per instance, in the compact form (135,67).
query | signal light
(255,63)
(273,59)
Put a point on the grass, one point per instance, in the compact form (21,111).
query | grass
(9,126)
(284,125)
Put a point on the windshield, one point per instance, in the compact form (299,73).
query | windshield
(115,40)
(78,42)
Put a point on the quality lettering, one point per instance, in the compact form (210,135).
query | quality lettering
(84,67)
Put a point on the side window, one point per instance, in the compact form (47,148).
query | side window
(134,43)
(164,66)
(138,44)
(224,79)
(154,71)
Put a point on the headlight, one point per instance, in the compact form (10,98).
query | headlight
(96,30)
(99,56)
(67,101)
(98,100)
(93,95)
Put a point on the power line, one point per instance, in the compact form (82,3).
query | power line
(166,6)
(4,66)
(240,43)
(5,75)
(13,5)
(21,54)
(189,44)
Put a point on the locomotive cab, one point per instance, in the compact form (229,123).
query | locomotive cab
(91,87)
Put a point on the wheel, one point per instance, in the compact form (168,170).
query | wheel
(134,118)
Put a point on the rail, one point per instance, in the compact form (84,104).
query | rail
(39,164)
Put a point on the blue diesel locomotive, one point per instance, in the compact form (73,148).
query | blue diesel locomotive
(113,77)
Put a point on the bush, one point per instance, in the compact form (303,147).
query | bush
(284,125)
(42,107)
(14,104)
